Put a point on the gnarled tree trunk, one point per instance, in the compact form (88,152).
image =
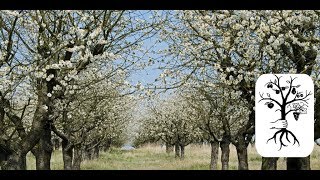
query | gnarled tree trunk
(242,157)
(96,152)
(214,155)
(298,163)
(77,158)
(87,153)
(177,150)
(269,163)
(15,161)
(67,155)
(225,151)
(44,150)
(67,146)
(241,147)
(182,151)
(107,145)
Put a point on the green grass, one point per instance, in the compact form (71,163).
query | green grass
(154,157)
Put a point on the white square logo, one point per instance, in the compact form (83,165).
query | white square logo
(284,115)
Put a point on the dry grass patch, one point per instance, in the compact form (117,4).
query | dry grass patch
(153,157)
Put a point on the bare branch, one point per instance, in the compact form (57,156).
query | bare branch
(301,99)
(265,99)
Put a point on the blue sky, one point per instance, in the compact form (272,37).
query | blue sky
(150,73)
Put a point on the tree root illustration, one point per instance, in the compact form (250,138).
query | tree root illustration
(283,132)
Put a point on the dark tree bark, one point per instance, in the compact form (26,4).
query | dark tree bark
(67,147)
(177,150)
(87,153)
(241,147)
(225,151)
(214,155)
(15,161)
(242,157)
(77,158)
(96,152)
(3,156)
(4,150)
(44,150)
(182,151)
(67,155)
(106,148)
(269,163)
(298,163)
(45,146)
(107,145)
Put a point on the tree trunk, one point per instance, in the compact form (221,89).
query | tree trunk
(298,163)
(44,150)
(182,151)
(67,147)
(225,151)
(45,147)
(15,161)
(3,146)
(214,155)
(177,150)
(67,155)
(242,157)
(77,158)
(87,154)
(269,163)
(96,152)
(3,157)
(106,148)
(107,145)
(169,148)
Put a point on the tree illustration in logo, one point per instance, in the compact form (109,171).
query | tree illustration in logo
(297,104)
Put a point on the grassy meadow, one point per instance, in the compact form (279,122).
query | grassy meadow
(153,157)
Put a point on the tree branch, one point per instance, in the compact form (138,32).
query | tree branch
(302,99)
(24,108)
(278,78)
(271,99)
(58,133)
(290,111)
(291,81)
